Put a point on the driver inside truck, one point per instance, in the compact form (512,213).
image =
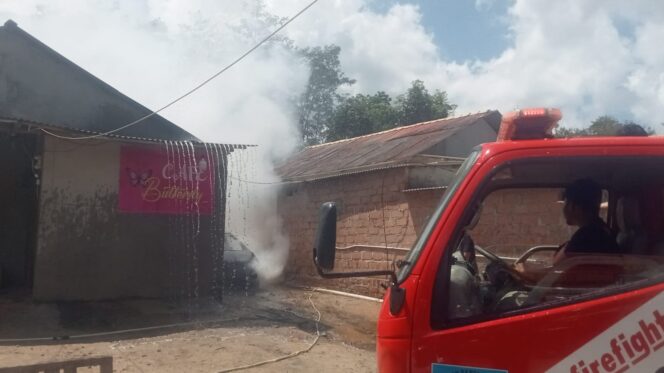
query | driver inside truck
(582,199)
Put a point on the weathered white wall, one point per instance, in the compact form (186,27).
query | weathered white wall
(88,250)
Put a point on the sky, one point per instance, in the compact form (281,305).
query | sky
(588,57)
(463,30)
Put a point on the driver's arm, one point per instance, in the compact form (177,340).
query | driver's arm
(560,254)
(531,272)
(534,272)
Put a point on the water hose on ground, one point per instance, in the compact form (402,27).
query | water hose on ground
(157,327)
(281,358)
(344,294)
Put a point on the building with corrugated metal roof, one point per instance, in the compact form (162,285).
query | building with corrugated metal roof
(385,185)
(65,233)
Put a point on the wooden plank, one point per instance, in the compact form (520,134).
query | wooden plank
(105,364)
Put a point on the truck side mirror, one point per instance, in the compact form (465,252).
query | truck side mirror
(326,236)
(325,249)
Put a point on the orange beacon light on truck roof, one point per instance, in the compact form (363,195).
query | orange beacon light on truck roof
(536,123)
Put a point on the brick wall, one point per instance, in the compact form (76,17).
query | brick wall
(514,220)
(374,213)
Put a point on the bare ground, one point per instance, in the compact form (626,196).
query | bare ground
(242,330)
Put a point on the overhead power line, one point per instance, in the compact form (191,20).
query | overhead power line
(206,81)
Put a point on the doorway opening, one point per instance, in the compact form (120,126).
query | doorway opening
(19,191)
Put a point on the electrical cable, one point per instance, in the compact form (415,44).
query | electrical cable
(382,209)
(262,182)
(115,332)
(296,353)
(191,90)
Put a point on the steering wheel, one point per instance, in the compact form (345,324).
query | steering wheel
(534,250)
(504,266)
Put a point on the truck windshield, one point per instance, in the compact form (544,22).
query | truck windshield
(411,258)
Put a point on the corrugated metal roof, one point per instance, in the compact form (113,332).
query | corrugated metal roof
(43,98)
(31,125)
(392,148)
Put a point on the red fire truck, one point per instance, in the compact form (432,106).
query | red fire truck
(456,306)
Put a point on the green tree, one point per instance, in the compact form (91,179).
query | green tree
(362,114)
(418,105)
(442,108)
(604,125)
(649,130)
(316,105)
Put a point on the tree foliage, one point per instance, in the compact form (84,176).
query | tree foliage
(325,115)
(605,126)
(418,105)
(362,114)
(317,104)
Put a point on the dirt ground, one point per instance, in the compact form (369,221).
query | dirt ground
(209,337)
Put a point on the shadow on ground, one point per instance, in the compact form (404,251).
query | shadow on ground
(24,322)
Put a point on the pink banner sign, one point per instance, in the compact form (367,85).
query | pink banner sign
(160,181)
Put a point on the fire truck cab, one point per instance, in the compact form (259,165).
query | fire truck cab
(469,297)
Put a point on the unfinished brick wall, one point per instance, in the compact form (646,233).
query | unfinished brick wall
(513,220)
(374,212)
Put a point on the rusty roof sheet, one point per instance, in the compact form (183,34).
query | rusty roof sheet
(388,149)
(32,126)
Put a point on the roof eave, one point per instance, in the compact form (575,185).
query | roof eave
(30,126)
(364,170)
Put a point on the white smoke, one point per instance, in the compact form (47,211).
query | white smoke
(154,51)
(252,211)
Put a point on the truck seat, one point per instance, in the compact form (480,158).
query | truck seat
(632,237)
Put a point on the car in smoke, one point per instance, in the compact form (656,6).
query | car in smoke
(238,271)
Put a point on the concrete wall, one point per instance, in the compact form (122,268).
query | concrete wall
(88,250)
(430,176)
(461,143)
